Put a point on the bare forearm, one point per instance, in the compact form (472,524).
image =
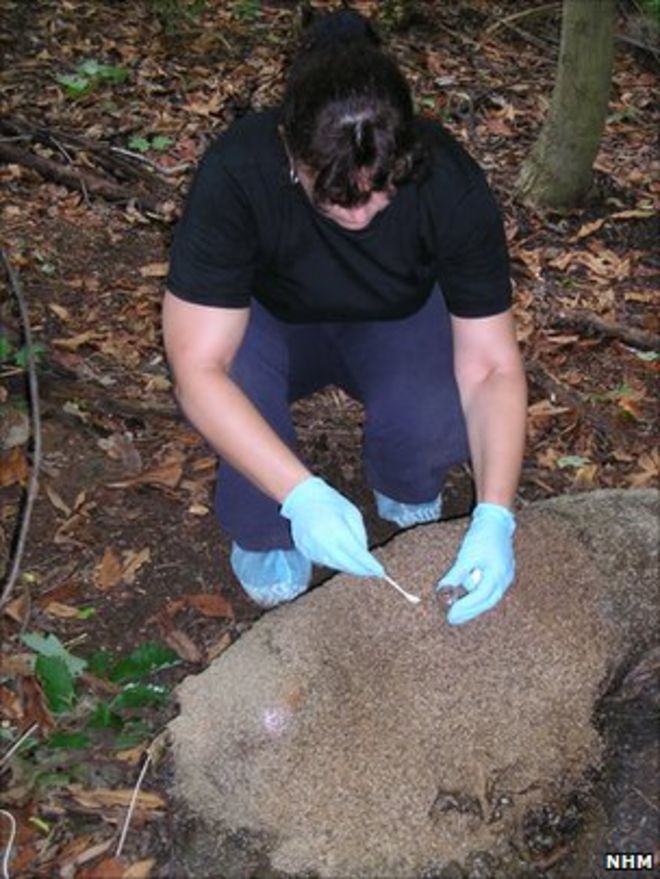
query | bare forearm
(495,412)
(236,430)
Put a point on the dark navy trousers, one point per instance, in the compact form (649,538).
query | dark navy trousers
(401,370)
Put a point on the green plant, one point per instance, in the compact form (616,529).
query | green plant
(651,8)
(17,358)
(126,719)
(246,9)
(89,74)
(159,142)
(172,13)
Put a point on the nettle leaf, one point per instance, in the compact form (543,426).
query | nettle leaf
(113,74)
(89,67)
(139,144)
(76,85)
(103,717)
(140,695)
(52,646)
(57,683)
(146,659)
(161,142)
(574,461)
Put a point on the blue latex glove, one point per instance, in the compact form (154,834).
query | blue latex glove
(485,564)
(328,529)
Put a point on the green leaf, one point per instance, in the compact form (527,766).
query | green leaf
(115,75)
(646,356)
(6,349)
(68,741)
(100,663)
(103,717)
(51,646)
(139,144)
(574,461)
(85,613)
(161,142)
(89,68)
(57,682)
(145,659)
(76,86)
(21,357)
(140,695)
(132,734)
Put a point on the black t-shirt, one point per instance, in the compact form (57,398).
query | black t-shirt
(248,231)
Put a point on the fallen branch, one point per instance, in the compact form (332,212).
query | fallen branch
(526,13)
(33,484)
(585,322)
(556,391)
(75,179)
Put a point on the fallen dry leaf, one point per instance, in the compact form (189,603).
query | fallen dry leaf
(140,869)
(155,270)
(168,474)
(100,798)
(10,705)
(210,605)
(35,707)
(108,573)
(13,468)
(183,645)
(75,342)
(17,665)
(61,611)
(108,868)
(80,852)
(132,756)
(16,609)
(57,501)
(132,563)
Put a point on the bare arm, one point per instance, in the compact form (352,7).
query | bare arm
(201,343)
(493,392)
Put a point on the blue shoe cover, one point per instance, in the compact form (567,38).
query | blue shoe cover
(407,515)
(271,577)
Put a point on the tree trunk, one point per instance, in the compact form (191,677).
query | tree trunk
(558,171)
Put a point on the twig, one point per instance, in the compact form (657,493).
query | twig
(540,42)
(10,843)
(524,14)
(33,485)
(131,807)
(605,426)
(166,172)
(74,179)
(17,744)
(585,322)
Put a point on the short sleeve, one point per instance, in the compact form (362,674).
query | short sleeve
(213,256)
(473,262)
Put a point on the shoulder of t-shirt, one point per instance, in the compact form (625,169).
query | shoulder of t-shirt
(450,166)
(248,142)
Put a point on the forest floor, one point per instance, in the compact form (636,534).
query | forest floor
(124,564)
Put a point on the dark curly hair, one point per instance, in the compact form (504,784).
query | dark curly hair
(347,107)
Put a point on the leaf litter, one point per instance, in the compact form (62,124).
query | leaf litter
(123,550)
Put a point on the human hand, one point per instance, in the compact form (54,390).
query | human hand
(485,564)
(328,529)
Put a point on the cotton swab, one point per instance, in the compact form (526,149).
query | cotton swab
(413,599)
